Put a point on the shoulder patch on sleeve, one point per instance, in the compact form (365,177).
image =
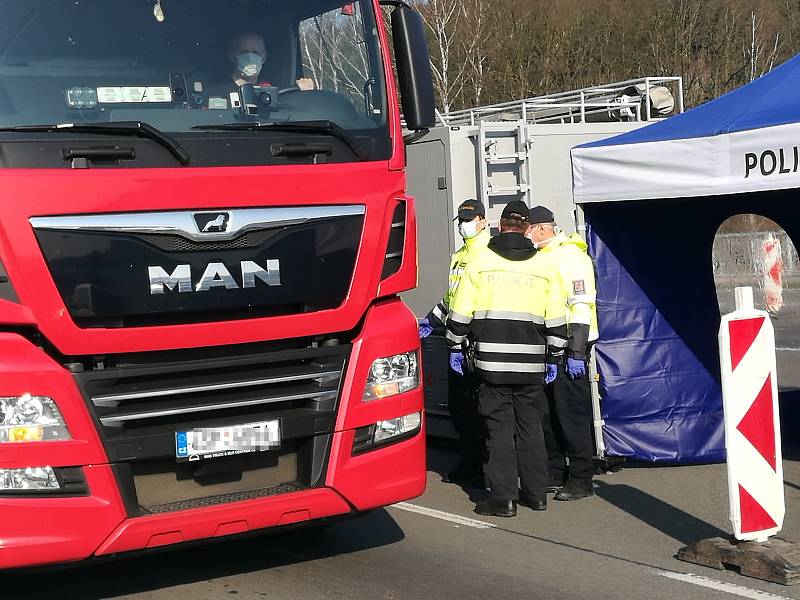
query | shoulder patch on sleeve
(578,287)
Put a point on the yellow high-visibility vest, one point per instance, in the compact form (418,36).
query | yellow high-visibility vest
(575,287)
(508,310)
(458,262)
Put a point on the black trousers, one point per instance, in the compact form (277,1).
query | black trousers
(515,442)
(568,430)
(462,401)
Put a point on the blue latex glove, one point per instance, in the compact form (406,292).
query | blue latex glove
(576,368)
(551,373)
(457,362)
(425,328)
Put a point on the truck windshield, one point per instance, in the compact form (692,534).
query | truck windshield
(184,66)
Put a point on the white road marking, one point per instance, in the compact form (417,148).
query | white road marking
(444,516)
(721,586)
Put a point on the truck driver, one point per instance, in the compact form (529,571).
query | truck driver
(248,53)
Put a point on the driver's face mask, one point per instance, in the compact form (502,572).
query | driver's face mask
(249,63)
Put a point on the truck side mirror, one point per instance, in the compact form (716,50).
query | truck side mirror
(413,68)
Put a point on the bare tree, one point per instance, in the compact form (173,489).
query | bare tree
(474,46)
(486,51)
(334,52)
(445,20)
(760,62)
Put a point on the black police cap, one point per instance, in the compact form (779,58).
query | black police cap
(540,214)
(515,209)
(471,208)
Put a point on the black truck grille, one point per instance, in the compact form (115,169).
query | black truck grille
(139,408)
(176,243)
(139,402)
(130,269)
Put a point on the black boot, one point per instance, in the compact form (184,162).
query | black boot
(532,502)
(496,508)
(554,484)
(575,489)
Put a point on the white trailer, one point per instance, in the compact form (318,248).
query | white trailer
(510,151)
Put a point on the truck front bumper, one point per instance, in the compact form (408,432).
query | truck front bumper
(58,529)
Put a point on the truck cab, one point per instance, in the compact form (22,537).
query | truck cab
(200,329)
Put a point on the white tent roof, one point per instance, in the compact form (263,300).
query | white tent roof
(746,140)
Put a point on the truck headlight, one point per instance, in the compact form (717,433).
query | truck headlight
(386,432)
(29,418)
(29,478)
(392,375)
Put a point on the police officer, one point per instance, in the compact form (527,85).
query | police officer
(505,305)
(462,385)
(568,431)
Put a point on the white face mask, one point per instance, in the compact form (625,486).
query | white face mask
(543,243)
(468,230)
(249,63)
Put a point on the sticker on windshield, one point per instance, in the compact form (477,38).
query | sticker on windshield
(159,94)
(109,95)
(215,103)
(133,94)
(235,102)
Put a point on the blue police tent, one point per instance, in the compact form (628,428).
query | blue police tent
(653,200)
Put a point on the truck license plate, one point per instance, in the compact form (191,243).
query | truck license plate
(214,442)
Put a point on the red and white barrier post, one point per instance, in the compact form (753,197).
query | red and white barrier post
(752,425)
(773,272)
(753,442)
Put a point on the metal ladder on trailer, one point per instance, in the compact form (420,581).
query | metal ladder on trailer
(490,138)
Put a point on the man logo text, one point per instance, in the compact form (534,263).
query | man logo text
(215,275)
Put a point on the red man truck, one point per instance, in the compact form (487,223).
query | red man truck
(204,232)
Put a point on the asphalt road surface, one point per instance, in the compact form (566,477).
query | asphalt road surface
(618,544)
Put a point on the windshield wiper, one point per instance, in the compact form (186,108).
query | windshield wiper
(327,127)
(129,128)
